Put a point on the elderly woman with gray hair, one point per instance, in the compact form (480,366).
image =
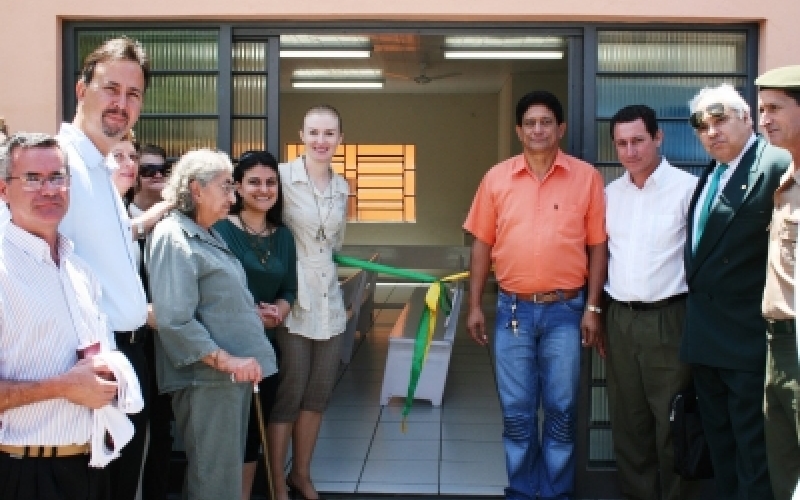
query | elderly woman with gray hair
(210,347)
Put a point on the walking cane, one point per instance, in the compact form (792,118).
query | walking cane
(263,431)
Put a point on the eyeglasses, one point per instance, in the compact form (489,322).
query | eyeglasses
(151,169)
(227,187)
(715,110)
(35,182)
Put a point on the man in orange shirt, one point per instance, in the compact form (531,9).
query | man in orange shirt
(539,219)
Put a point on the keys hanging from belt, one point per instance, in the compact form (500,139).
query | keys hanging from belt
(514,322)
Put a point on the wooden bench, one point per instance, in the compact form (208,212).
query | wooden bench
(397,372)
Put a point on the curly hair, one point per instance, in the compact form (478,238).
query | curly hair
(200,165)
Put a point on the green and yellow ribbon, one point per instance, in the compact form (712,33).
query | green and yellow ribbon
(436,299)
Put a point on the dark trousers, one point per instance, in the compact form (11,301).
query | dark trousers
(155,478)
(644,373)
(782,413)
(67,478)
(730,403)
(126,469)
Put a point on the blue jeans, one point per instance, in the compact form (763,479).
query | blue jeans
(538,364)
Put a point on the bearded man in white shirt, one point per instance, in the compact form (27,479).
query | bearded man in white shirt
(646,219)
(48,311)
(110,95)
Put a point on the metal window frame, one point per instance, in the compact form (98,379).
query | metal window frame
(582,119)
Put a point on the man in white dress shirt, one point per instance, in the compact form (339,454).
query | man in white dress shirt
(110,95)
(48,310)
(646,219)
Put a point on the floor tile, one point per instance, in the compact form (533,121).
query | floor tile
(336,469)
(472,432)
(414,430)
(339,429)
(363,413)
(347,448)
(391,488)
(401,472)
(420,412)
(403,449)
(487,473)
(472,451)
(491,415)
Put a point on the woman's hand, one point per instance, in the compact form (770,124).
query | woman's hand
(241,369)
(270,314)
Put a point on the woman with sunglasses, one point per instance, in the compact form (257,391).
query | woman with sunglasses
(255,233)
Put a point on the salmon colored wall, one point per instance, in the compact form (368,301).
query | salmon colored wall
(30,37)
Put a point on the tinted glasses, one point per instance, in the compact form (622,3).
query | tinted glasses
(716,110)
(151,169)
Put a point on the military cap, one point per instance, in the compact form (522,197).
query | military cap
(786,77)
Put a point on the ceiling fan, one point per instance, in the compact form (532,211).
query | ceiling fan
(422,78)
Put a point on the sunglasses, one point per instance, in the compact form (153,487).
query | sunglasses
(151,169)
(715,110)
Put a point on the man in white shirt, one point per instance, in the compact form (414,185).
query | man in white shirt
(110,93)
(48,311)
(646,219)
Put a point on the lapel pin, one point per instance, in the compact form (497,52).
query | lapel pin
(744,186)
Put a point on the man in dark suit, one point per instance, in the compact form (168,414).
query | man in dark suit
(726,259)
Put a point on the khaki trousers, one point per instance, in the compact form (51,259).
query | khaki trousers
(643,374)
(782,415)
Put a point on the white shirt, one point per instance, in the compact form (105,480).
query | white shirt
(100,228)
(47,312)
(647,234)
(318,313)
(723,181)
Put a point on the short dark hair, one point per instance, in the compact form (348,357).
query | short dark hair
(543,97)
(117,49)
(153,149)
(249,160)
(636,112)
(793,93)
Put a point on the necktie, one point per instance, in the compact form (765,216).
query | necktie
(708,203)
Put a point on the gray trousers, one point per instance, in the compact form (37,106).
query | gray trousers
(782,414)
(213,423)
(644,372)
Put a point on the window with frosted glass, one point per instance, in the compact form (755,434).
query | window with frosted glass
(663,69)
(249,112)
(381,179)
(180,106)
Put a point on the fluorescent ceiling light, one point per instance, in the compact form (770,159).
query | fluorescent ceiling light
(503,42)
(451,53)
(337,84)
(320,53)
(325,46)
(344,73)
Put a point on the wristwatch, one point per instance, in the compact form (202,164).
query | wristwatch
(594,309)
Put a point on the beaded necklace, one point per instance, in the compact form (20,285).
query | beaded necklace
(255,238)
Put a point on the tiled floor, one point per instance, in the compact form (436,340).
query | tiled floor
(454,450)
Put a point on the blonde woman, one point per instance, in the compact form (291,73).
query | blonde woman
(315,210)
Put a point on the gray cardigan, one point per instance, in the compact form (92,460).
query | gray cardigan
(201,303)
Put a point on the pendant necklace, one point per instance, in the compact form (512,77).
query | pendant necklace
(255,238)
(320,235)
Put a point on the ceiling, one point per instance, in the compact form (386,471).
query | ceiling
(402,57)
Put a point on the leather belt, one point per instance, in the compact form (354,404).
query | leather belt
(649,306)
(69,450)
(129,337)
(781,326)
(546,297)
